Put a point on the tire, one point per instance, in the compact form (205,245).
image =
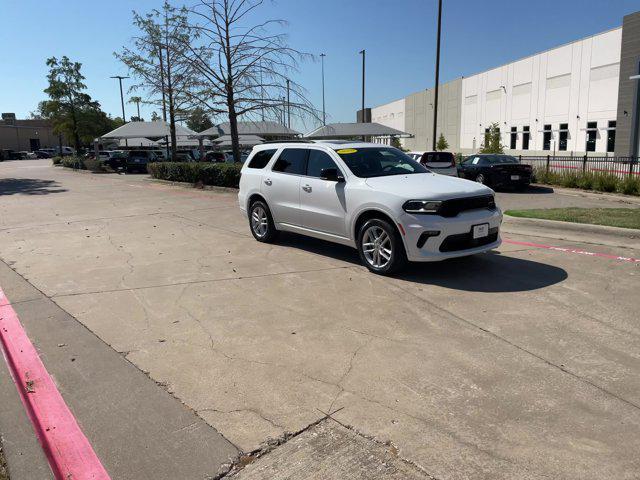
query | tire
(480,178)
(376,238)
(261,222)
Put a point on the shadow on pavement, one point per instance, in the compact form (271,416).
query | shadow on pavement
(492,272)
(28,186)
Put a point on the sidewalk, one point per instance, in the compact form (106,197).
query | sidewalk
(138,430)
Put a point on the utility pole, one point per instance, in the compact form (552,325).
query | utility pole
(435,102)
(363,53)
(324,114)
(288,106)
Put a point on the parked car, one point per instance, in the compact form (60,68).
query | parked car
(114,159)
(371,197)
(24,155)
(66,151)
(443,163)
(137,160)
(216,157)
(44,153)
(496,170)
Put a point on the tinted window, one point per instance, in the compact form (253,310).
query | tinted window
(261,158)
(292,160)
(317,161)
(379,161)
(501,159)
(432,157)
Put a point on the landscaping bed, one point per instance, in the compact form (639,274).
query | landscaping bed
(215,174)
(610,217)
(600,182)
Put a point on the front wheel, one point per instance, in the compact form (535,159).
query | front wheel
(261,222)
(481,179)
(380,247)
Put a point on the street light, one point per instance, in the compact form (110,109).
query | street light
(324,115)
(435,103)
(363,53)
(120,78)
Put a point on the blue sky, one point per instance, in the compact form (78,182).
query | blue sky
(399,36)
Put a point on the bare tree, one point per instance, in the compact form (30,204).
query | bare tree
(245,70)
(158,60)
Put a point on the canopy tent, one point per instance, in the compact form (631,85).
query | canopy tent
(187,142)
(266,129)
(245,140)
(351,130)
(157,129)
(136,142)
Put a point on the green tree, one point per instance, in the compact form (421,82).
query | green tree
(492,143)
(137,101)
(72,111)
(198,120)
(157,59)
(442,143)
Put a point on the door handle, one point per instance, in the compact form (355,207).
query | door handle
(307,188)
(268,182)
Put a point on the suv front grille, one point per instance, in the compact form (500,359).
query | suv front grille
(451,208)
(465,241)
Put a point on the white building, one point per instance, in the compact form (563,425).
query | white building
(580,97)
(564,99)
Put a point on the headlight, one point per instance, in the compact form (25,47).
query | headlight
(421,206)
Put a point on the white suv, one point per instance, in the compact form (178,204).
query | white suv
(368,196)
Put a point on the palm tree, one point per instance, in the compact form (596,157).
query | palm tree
(137,101)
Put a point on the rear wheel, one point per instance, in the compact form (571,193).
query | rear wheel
(261,222)
(481,179)
(380,247)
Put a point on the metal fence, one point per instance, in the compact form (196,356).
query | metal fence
(618,166)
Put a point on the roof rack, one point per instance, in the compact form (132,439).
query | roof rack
(287,141)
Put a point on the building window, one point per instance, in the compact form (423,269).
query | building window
(546,138)
(563,136)
(514,137)
(525,137)
(592,131)
(611,136)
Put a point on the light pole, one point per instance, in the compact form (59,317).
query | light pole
(435,103)
(324,114)
(363,53)
(288,106)
(120,78)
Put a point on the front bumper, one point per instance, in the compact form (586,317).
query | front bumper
(430,250)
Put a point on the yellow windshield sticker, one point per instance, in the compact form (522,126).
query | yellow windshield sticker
(347,150)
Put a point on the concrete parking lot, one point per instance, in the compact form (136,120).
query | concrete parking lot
(519,364)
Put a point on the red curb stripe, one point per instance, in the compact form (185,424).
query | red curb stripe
(68,451)
(574,250)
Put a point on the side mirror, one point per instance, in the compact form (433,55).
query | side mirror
(332,175)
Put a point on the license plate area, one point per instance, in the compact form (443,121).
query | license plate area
(515,177)
(480,231)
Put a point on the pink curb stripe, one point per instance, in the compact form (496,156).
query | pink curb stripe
(574,250)
(68,451)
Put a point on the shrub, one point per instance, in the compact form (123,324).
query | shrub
(630,186)
(56,160)
(93,165)
(217,174)
(606,182)
(602,182)
(73,162)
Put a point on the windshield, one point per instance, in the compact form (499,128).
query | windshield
(501,159)
(379,162)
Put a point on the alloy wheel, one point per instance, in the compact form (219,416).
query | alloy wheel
(259,221)
(377,246)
